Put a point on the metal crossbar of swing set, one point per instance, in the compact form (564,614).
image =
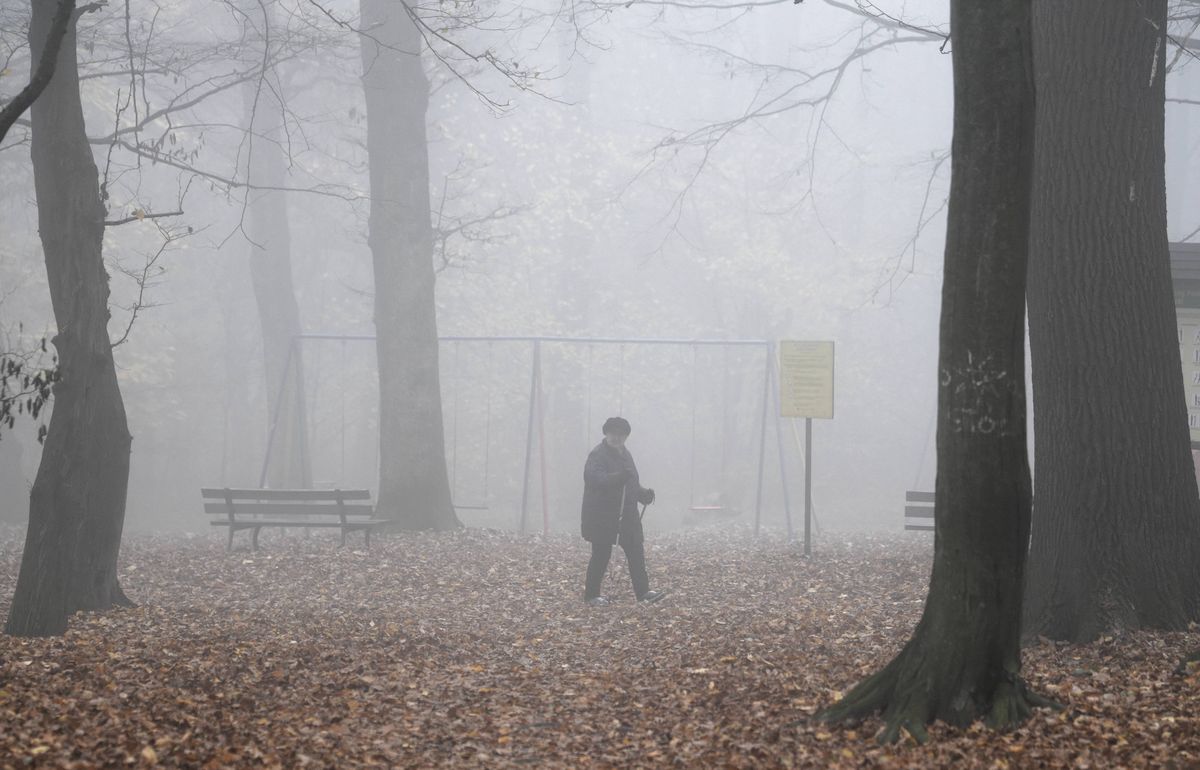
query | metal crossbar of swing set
(769,393)
(569,340)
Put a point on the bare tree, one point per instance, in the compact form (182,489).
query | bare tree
(395,38)
(77,505)
(414,485)
(963,662)
(268,233)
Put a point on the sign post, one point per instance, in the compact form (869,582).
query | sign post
(806,390)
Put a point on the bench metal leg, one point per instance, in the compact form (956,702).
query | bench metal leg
(367,534)
(343,545)
(229,542)
(254,538)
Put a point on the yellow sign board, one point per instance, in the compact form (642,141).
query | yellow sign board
(806,379)
(1188,320)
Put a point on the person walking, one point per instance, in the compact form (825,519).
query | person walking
(611,493)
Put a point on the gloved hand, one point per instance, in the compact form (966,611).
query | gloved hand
(647,497)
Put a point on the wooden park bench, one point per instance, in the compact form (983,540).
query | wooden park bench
(253,509)
(918,510)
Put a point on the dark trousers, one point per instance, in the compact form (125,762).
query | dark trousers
(635,555)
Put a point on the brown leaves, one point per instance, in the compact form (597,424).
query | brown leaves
(474,649)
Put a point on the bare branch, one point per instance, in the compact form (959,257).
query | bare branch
(924,217)
(176,106)
(231,183)
(139,216)
(869,10)
(149,270)
(511,71)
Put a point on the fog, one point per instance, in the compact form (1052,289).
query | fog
(669,175)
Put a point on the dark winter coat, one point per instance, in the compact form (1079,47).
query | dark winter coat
(608,471)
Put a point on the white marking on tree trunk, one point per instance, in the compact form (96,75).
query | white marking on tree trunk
(1154,62)
(976,396)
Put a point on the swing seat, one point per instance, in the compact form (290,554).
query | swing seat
(702,515)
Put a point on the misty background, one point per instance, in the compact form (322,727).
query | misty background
(625,194)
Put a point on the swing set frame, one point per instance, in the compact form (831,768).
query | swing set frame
(770,395)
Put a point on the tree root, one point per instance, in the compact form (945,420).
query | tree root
(878,693)
(868,696)
(910,711)
(119,598)
(1013,703)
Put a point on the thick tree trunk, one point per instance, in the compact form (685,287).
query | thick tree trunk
(77,506)
(963,661)
(278,313)
(414,488)
(1117,526)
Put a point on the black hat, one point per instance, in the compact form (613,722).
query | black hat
(616,425)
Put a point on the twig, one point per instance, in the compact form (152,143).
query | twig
(139,216)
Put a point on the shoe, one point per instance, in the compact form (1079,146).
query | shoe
(596,601)
(650,597)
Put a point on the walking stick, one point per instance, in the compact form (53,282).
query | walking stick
(620,516)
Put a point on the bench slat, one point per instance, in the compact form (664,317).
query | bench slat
(215,493)
(291,509)
(912,496)
(251,523)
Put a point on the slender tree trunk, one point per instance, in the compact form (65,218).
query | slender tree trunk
(77,505)
(414,488)
(1117,526)
(274,292)
(963,661)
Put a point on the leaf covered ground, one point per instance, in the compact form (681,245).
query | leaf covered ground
(473,649)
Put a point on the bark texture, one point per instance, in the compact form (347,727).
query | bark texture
(1117,523)
(414,487)
(963,661)
(271,276)
(77,505)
